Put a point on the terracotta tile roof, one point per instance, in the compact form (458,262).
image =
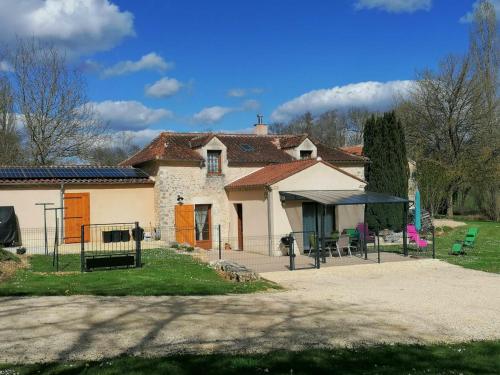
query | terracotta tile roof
(241,148)
(291,141)
(335,155)
(354,150)
(273,173)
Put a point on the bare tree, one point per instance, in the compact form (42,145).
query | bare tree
(114,150)
(51,96)
(485,58)
(355,119)
(10,150)
(444,120)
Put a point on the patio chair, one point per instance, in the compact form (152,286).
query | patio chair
(365,234)
(470,237)
(312,245)
(457,248)
(344,243)
(353,235)
(413,236)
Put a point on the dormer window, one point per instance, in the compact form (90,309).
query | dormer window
(305,154)
(214,165)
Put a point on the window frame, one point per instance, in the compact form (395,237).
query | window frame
(218,154)
(309,154)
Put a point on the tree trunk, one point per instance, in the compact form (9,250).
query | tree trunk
(449,204)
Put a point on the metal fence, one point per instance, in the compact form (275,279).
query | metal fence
(287,251)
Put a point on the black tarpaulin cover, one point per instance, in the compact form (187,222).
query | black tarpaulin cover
(8,226)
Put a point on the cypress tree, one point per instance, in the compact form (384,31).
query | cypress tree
(387,172)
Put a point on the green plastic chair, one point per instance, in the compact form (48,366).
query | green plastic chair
(352,233)
(457,248)
(470,237)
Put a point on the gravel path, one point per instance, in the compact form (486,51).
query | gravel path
(420,301)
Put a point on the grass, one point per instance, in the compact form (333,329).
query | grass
(468,358)
(164,273)
(6,256)
(485,256)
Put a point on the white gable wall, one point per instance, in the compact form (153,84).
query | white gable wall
(287,217)
(306,145)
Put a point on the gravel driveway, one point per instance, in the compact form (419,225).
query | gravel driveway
(420,301)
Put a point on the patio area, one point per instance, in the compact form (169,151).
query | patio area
(261,263)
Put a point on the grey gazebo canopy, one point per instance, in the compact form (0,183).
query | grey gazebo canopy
(347,197)
(340,197)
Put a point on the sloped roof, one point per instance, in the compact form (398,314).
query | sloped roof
(354,150)
(271,174)
(241,148)
(71,174)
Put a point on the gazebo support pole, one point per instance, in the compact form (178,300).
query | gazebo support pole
(323,210)
(364,234)
(405,223)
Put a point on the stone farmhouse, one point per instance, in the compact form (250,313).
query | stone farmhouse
(239,181)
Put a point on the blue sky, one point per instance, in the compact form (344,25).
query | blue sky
(198,65)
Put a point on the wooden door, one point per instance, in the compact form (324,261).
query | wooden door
(184,223)
(76,214)
(239,212)
(204,236)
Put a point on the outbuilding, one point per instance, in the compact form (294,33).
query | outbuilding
(79,194)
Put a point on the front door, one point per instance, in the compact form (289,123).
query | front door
(76,214)
(311,221)
(184,224)
(203,225)
(239,212)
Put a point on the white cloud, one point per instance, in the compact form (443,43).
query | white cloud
(129,115)
(371,95)
(239,93)
(212,115)
(79,26)
(250,105)
(469,16)
(5,66)
(395,6)
(151,61)
(141,137)
(163,87)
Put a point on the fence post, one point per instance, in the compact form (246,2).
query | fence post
(138,237)
(291,250)
(316,257)
(433,243)
(82,248)
(378,246)
(220,241)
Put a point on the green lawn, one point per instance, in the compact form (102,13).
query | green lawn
(468,358)
(164,273)
(485,255)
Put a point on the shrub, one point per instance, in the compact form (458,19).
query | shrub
(6,256)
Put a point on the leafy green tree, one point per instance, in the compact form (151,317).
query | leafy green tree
(387,172)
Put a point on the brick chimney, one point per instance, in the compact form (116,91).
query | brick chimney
(260,127)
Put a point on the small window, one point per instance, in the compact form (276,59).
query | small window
(305,154)
(214,162)
(247,148)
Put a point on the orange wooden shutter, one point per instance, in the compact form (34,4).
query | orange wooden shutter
(76,214)
(184,224)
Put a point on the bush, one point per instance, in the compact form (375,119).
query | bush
(6,256)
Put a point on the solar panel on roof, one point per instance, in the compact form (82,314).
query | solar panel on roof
(20,173)
(133,173)
(111,173)
(37,172)
(63,172)
(12,173)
